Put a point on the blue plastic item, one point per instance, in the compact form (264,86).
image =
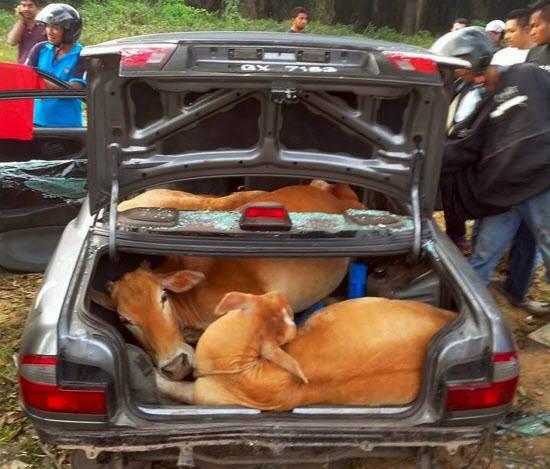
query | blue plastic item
(357,280)
(300,318)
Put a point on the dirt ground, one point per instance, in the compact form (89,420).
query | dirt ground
(20,448)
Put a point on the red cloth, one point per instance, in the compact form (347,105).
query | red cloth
(16,115)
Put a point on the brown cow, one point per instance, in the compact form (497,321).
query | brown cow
(318,196)
(167,308)
(367,351)
(176,293)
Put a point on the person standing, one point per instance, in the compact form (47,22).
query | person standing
(300,19)
(500,171)
(467,94)
(26,32)
(495,31)
(517,37)
(459,23)
(60,57)
(540,34)
(523,258)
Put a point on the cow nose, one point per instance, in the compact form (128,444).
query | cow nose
(178,367)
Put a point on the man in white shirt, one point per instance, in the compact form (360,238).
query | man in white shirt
(517,37)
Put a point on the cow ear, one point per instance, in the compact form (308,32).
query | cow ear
(277,355)
(232,301)
(179,282)
(103,299)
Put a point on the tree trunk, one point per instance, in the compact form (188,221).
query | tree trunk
(408,24)
(478,9)
(249,8)
(210,5)
(420,7)
(324,11)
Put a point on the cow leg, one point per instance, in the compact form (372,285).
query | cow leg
(177,390)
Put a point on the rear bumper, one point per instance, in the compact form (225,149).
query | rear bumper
(262,444)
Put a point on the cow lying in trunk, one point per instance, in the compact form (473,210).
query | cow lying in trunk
(183,291)
(318,196)
(367,351)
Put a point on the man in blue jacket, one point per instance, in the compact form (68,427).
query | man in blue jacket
(60,57)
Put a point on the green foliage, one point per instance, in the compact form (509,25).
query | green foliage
(7,18)
(422,39)
(231,10)
(111,19)
(7,52)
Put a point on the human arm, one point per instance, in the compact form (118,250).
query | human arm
(461,153)
(16,33)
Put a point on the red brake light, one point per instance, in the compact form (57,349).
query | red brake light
(151,57)
(484,395)
(412,63)
(265,216)
(39,389)
(481,397)
(265,212)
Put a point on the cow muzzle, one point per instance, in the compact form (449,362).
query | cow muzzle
(179,365)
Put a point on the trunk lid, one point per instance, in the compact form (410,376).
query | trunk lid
(186,106)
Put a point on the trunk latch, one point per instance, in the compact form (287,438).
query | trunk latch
(284,95)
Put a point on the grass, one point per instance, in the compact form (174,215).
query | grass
(113,19)
(7,52)
(19,445)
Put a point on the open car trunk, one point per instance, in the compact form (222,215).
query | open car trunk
(207,119)
(388,277)
(387,269)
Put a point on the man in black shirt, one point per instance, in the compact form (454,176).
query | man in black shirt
(300,18)
(499,171)
(524,248)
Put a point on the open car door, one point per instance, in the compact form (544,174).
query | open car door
(42,172)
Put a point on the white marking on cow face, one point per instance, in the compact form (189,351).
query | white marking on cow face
(290,331)
(287,315)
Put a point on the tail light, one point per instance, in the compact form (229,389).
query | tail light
(500,391)
(39,389)
(144,58)
(412,63)
(265,216)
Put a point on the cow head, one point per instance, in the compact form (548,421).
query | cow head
(272,318)
(143,300)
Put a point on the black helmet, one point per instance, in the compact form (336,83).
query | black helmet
(471,42)
(64,16)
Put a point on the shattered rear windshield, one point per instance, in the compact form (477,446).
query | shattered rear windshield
(39,183)
(349,223)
